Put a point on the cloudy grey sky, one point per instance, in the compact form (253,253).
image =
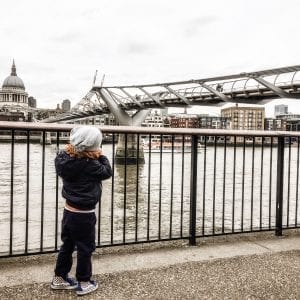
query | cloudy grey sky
(58,44)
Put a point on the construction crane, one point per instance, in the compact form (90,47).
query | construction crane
(95,77)
(102,81)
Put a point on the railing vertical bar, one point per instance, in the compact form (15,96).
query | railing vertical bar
(149,189)
(11,191)
(204,187)
(125,188)
(288,185)
(160,188)
(182,185)
(56,198)
(270,182)
(279,185)
(224,185)
(137,188)
(112,190)
(172,189)
(233,183)
(252,184)
(243,184)
(261,182)
(193,191)
(43,191)
(297,183)
(27,189)
(99,223)
(214,184)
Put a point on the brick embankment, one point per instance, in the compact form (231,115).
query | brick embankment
(244,268)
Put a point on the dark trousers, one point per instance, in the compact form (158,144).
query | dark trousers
(78,229)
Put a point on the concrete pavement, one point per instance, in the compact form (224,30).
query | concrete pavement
(143,272)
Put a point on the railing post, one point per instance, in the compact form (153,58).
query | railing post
(193,190)
(279,185)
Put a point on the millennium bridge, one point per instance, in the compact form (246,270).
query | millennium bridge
(251,88)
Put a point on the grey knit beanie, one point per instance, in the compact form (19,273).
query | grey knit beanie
(86,138)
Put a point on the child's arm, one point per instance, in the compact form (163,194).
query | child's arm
(103,169)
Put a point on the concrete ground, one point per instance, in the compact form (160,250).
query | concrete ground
(256,266)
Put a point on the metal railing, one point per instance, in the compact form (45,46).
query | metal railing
(194,183)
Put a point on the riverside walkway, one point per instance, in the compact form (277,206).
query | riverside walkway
(249,266)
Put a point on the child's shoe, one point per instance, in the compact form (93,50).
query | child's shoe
(86,287)
(58,283)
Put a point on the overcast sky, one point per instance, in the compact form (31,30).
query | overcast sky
(58,44)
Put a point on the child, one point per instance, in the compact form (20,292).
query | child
(82,167)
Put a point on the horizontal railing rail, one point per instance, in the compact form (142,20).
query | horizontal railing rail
(52,127)
(172,183)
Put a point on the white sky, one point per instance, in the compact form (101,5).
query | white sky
(58,44)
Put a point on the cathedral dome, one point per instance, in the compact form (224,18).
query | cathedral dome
(13,81)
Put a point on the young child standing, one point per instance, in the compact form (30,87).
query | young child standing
(82,167)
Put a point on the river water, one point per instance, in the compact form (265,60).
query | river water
(220,206)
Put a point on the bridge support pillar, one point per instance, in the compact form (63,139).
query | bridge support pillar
(45,138)
(129,149)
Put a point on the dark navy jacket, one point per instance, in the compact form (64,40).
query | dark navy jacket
(82,187)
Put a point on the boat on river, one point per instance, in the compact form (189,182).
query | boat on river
(157,146)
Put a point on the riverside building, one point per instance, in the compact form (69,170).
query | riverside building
(13,98)
(292,121)
(66,105)
(281,109)
(245,118)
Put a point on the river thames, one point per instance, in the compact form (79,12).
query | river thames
(152,195)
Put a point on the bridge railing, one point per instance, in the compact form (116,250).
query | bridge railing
(194,183)
(192,89)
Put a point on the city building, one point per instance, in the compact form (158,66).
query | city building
(156,118)
(281,109)
(292,121)
(13,98)
(66,105)
(105,119)
(213,122)
(45,113)
(6,115)
(245,118)
(285,122)
(31,102)
(183,121)
(275,124)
